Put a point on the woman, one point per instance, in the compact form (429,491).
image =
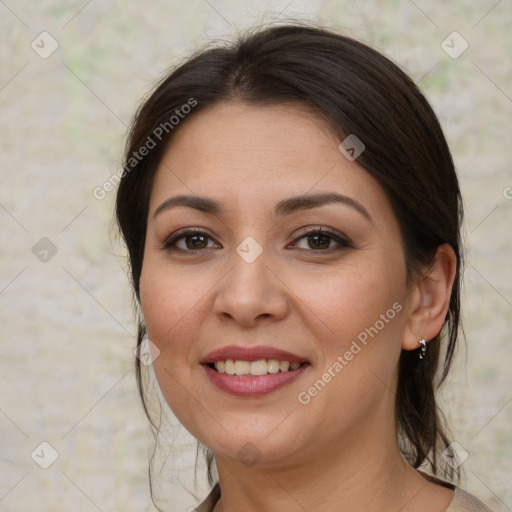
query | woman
(292,216)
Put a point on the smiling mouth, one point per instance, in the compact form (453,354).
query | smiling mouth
(261,367)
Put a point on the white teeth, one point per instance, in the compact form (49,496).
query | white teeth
(242,367)
(272,366)
(229,367)
(260,367)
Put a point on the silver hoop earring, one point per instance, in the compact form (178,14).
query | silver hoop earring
(423,345)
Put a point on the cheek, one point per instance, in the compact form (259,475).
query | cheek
(352,302)
(171,301)
(172,308)
(360,342)
(356,316)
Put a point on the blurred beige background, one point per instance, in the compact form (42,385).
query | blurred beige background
(67,335)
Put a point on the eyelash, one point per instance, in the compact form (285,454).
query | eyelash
(344,242)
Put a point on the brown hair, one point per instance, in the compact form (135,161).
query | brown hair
(357,91)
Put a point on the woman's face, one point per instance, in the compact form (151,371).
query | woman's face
(254,277)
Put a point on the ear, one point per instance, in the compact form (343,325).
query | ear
(430,299)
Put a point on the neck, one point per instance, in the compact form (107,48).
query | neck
(363,471)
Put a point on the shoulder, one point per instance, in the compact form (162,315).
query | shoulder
(462,501)
(465,502)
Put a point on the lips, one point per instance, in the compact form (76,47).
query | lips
(252,384)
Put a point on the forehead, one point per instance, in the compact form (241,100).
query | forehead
(257,155)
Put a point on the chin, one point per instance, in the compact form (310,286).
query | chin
(269,442)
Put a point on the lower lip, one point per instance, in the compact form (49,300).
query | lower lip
(248,385)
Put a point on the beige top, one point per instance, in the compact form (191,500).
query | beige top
(465,502)
(462,501)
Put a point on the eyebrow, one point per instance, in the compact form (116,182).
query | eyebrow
(283,208)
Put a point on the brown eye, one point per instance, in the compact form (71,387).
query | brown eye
(187,241)
(320,240)
(196,242)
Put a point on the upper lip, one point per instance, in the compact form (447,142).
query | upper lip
(241,353)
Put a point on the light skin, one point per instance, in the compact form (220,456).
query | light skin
(310,296)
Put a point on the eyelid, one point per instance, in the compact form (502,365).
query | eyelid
(340,238)
(170,241)
(336,235)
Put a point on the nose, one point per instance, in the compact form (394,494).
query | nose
(251,291)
